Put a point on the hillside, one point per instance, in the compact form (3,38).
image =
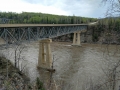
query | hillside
(30,17)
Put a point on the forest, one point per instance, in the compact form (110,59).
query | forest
(41,18)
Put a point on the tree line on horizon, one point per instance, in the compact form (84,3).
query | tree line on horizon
(41,18)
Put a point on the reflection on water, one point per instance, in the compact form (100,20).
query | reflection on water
(75,66)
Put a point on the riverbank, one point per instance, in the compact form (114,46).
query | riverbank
(13,79)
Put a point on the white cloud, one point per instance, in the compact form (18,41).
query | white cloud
(19,6)
(86,8)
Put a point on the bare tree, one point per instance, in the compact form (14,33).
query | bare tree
(114,7)
(18,58)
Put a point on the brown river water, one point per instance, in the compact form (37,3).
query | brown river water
(76,67)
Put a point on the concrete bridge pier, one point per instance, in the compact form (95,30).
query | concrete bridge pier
(76,39)
(45,57)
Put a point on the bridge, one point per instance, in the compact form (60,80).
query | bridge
(28,32)
(17,33)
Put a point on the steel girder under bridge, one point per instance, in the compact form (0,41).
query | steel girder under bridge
(15,33)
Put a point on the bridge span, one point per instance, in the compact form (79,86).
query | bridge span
(16,33)
(31,32)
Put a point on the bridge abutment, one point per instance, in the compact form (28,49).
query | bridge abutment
(76,39)
(45,57)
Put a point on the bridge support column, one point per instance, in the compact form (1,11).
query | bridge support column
(45,58)
(76,39)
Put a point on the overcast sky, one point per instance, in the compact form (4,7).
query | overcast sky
(85,8)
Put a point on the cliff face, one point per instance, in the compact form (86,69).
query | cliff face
(86,37)
(109,38)
(103,37)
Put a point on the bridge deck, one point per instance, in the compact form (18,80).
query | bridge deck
(37,25)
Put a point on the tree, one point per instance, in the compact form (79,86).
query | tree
(18,58)
(114,7)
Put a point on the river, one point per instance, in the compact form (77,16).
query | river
(77,68)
